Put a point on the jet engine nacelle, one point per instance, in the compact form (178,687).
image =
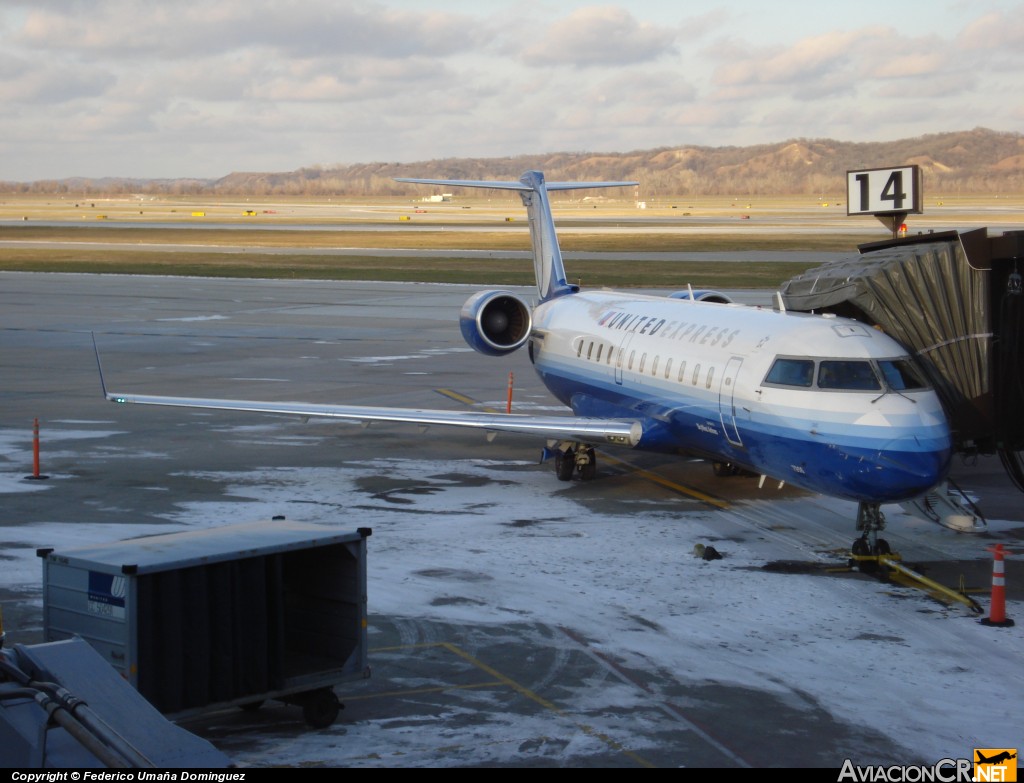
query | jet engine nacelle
(703,296)
(495,322)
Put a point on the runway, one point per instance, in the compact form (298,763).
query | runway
(515,620)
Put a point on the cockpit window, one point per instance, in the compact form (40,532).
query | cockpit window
(848,375)
(791,372)
(902,375)
(899,375)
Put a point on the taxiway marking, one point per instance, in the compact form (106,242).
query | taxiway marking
(499,680)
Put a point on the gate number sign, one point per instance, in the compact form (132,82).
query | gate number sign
(883,191)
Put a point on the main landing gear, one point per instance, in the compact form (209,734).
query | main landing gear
(869,547)
(575,457)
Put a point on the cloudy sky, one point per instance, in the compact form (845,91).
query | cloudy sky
(183,88)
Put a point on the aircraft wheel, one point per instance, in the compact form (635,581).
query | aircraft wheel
(588,472)
(251,706)
(565,464)
(882,547)
(320,708)
(860,548)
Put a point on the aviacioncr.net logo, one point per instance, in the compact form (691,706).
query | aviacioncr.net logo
(943,771)
(995,764)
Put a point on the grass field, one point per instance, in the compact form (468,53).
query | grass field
(615,273)
(294,238)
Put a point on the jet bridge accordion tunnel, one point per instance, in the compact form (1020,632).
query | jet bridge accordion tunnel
(954,300)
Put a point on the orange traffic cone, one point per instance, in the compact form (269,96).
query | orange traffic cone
(36,475)
(997,611)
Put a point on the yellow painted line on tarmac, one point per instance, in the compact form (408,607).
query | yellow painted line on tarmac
(499,680)
(454,395)
(403,647)
(590,731)
(668,483)
(419,691)
(645,474)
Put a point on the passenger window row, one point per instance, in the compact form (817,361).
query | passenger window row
(596,350)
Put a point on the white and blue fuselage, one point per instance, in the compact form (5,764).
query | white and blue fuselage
(697,377)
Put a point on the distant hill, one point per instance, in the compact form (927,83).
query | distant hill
(979,161)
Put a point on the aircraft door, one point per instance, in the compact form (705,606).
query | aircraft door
(727,401)
(622,358)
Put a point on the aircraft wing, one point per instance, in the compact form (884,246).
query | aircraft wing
(620,432)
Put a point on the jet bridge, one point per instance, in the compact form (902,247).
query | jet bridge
(954,300)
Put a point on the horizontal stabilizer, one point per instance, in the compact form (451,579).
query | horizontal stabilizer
(510,185)
(548,268)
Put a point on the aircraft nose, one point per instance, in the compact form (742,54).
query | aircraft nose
(910,470)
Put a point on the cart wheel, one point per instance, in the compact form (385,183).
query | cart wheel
(320,708)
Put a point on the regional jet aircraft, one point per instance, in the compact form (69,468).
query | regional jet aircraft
(827,404)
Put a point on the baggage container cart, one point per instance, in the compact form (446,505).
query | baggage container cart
(225,616)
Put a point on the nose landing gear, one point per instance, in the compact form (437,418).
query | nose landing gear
(869,547)
(873,555)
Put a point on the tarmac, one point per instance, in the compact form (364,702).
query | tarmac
(437,681)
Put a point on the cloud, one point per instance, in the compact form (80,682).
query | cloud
(807,60)
(993,30)
(600,36)
(240,84)
(637,98)
(23,81)
(368,79)
(940,86)
(130,62)
(872,60)
(313,28)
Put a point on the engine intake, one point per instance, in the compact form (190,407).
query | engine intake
(495,322)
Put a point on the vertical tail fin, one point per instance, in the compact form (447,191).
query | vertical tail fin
(548,268)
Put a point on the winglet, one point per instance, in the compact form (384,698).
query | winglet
(99,366)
